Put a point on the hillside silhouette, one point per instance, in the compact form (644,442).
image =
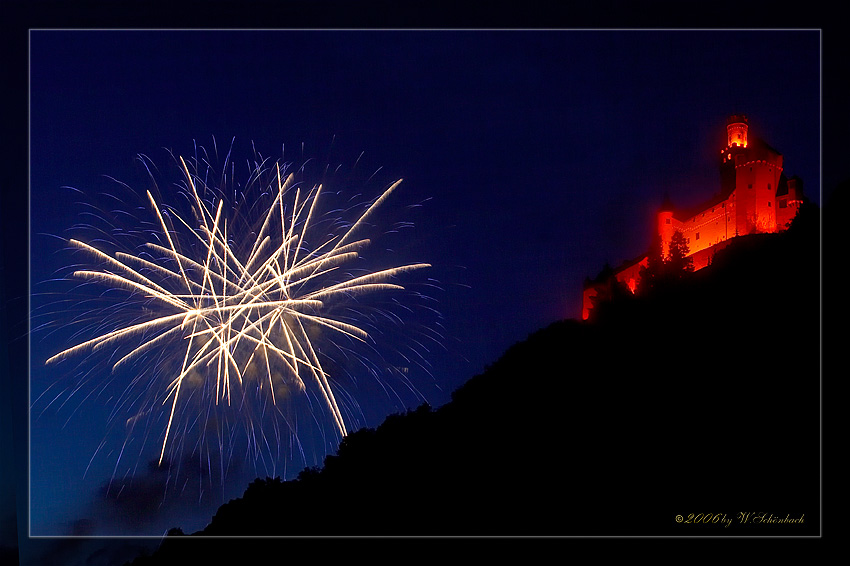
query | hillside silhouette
(698,397)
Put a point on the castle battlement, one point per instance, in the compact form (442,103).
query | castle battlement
(755,197)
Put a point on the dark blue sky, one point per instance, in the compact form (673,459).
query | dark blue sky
(538,156)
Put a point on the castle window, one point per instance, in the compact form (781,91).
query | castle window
(750,186)
(667,221)
(768,204)
(697,236)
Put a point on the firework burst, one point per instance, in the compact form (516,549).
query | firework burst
(233,308)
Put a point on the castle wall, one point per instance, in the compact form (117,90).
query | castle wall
(708,227)
(630,275)
(587,301)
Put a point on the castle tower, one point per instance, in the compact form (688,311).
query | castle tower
(750,173)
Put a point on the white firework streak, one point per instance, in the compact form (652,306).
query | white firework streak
(231,311)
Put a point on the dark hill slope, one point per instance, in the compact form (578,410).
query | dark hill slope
(701,399)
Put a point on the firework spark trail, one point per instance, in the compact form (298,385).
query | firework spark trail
(232,312)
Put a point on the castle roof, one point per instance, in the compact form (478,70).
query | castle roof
(782,189)
(666,204)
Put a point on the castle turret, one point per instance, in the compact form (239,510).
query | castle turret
(665,224)
(789,198)
(737,140)
(736,130)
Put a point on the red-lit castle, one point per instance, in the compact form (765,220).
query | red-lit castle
(755,197)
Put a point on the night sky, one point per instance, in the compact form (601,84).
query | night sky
(536,157)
